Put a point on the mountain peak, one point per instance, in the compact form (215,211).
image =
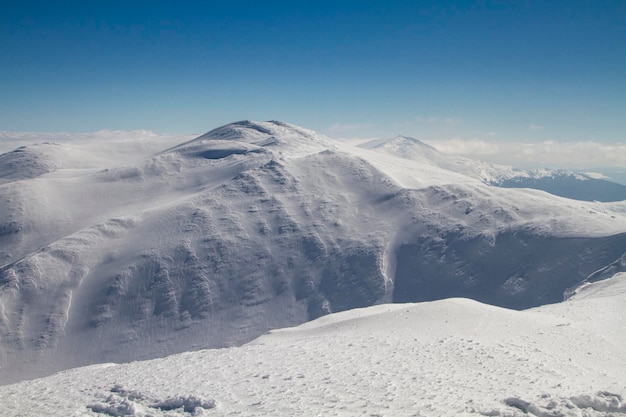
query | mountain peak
(398,141)
(405,147)
(29,162)
(290,140)
(238,130)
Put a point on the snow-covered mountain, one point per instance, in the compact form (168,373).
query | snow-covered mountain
(261,225)
(558,182)
(444,358)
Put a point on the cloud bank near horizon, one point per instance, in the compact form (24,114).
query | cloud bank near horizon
(140,138)
(546,154)
(579,155)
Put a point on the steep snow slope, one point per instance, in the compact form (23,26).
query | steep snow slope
(259,225)
(443,358)
(557,182)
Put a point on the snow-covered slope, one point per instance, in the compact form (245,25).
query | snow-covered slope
(558,182)
(568,184)
(260,225)
(27,162)
(443,358)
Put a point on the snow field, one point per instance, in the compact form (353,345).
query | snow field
(442,358)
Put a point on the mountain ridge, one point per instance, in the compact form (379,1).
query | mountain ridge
(258,225)
(559,182)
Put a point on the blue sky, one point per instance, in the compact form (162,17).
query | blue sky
(435,70)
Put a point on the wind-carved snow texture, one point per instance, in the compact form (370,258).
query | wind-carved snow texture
(255,226)
(123,402)
(442,358)
(601,403)
(27,162)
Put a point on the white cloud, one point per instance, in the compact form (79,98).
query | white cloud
(597,175)
(433,120)
(349,127)
(549,154)
(104,140)
(452,121)
(466,147)
(535,127)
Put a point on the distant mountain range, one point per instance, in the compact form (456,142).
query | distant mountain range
(558,182)
(260,225)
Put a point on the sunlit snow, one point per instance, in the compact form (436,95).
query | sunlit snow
(442,358)
(146,246)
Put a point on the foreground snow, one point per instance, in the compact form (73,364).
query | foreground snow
(450,357)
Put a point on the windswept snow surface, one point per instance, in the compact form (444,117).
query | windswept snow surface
(211,242)
(443,358)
